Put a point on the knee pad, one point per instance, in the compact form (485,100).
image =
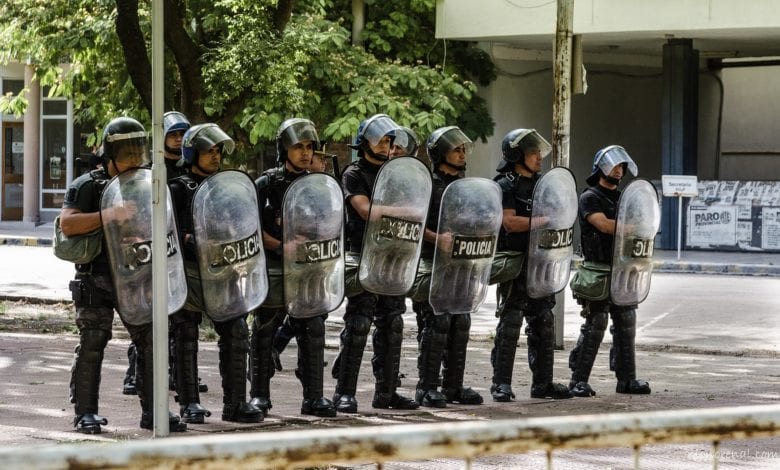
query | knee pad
(238,329)
(315,327)
(440,323)
(461,322)
(94,340)
(511,320)
(358,324)
(624,317)
(364,303)
(396,324)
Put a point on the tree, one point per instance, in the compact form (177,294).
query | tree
(248,64)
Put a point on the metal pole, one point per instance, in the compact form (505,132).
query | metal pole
(562,117)
(159,226)
(679,225)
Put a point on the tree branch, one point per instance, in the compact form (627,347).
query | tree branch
(134,48)
(186,53)
(282,14)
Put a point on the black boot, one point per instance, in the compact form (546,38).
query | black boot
(233,348)
(624,322)
(85,386)
(388,337)
(541,351)
(455,363)
(311,355)
(432,341)
(583,355)
(502,357)
(353,342)
(128,385)
(260,359)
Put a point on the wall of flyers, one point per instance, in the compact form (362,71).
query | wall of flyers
(734,215)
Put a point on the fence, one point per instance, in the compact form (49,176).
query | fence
(466,440)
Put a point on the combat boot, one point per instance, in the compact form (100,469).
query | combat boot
(464,396)
(89,423)
(581,389)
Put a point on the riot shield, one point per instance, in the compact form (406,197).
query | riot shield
(313,237)
(469,221)
(126,213)
(229,241)
(636,223)
(396,221)
(553,215)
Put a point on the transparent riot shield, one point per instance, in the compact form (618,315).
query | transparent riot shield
(636,223)
(126,213)
(469,221)
(313,240)
(394,232)
(550,250)
(229,241)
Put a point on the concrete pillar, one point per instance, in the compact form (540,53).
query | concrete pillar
(32,144)
(679,124)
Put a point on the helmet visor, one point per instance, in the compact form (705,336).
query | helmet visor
(613,156)
(453,139)
(175,121)
(130,148)
(382,126)
(299,131)
(530,142)
(405,141)
(208,136)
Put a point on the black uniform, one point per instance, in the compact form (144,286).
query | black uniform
(443,338)
(309,332)
(233,334)
(385,311)
(597,247)
(514,304)
(95,302)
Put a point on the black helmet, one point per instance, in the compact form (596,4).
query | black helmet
(292,131)
(119,132)
(444,139)
(412,141)
(372,130)
(201,137)
(608,158)
(515,144)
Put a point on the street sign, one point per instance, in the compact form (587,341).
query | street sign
(680,185)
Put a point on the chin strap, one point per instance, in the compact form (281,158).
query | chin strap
(459,168)
(611,180)
(295,168)
(378,156)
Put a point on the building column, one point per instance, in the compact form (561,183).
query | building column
(32,145)
(679,124)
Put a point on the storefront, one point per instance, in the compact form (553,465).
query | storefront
(37,151)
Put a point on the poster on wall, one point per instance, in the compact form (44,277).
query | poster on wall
(712,226)
(770,228)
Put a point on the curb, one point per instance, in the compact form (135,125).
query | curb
(25,241)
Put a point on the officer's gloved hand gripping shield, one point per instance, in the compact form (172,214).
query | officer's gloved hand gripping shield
(553,214)
(126,213)
(313,240)
(636,224)
(228,237)
(469,221)
(394,231)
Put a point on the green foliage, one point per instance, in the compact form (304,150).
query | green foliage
(308,69)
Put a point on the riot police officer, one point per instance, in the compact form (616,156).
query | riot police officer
(174,126)
(598,206)
(443,337)
(401,149)
(124,147)
(523,151)
(296,142)
(202,149)
(373,142)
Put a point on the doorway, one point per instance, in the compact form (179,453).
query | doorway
(13,171)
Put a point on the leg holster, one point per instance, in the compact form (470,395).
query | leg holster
(264,325)
(433,341)
(357,323)
(502,357)
(455,352)
(311,356)
(623,335)
(540,332)
(233,348)
(85,377)
(583,355)
(184,329)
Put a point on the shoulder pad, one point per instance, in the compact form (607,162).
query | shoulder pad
(505,182)
(184,180)
(263,181)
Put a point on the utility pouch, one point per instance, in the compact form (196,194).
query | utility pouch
(591,281)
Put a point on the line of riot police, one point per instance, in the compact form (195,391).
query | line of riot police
(390,229)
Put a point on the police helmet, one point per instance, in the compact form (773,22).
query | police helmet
(444,139)
(292,131)
(411,144)
(119,132)
(202,137)
(373,129)
(516,143)
(608,158)
(174,121)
